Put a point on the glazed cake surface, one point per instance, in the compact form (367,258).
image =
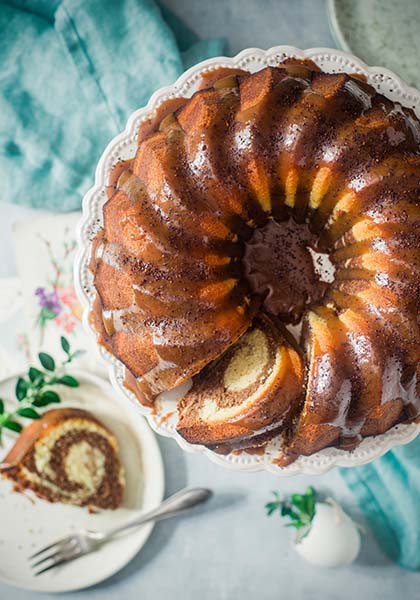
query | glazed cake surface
(314,161)
(68,456)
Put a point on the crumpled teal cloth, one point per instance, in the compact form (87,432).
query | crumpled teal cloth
(71,73)
(388,492)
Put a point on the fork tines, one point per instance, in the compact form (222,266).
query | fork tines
(56,554)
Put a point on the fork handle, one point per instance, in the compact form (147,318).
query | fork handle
(180,502)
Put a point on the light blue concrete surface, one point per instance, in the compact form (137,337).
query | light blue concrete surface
(231,550)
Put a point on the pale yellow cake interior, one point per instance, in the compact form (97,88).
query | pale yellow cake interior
(83,463)
(248,362)
(245,367)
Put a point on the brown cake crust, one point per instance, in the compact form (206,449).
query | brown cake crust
(291,144)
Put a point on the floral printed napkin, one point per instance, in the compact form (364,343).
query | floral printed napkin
(46,282)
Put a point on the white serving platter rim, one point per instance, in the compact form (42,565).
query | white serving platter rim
(122,146)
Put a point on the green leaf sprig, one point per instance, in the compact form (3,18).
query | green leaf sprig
(34,389)
(300,508)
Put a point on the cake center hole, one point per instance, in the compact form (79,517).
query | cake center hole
(282,266)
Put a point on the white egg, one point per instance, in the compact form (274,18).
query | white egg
(333,539)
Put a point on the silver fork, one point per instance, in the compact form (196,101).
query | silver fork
(78,544)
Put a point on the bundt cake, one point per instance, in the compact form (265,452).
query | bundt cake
(219,221)
(68,456)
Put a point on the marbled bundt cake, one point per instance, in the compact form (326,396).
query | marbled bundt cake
(68,456)
(218,218)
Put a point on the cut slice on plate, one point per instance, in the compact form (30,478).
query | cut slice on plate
(247,395)
(68,456)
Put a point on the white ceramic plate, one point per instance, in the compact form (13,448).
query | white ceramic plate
(163,420)
(28,523)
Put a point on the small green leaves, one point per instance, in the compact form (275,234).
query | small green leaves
(50,397)
(65,344)
(46,398)
(69,381)
(28,413)
(12,425)
(270,508)
(300,508)
(39,402)
(273,506)
(46,361)
(34,389)
(35,375)
(288,511)
(21,388)
(310,496)
(299,501)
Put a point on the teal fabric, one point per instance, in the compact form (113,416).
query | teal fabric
(71,73)
(388,492)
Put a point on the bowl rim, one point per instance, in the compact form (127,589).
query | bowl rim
(382,79)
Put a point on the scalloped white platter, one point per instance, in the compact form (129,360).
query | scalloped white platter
(32,523)
(123,146)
